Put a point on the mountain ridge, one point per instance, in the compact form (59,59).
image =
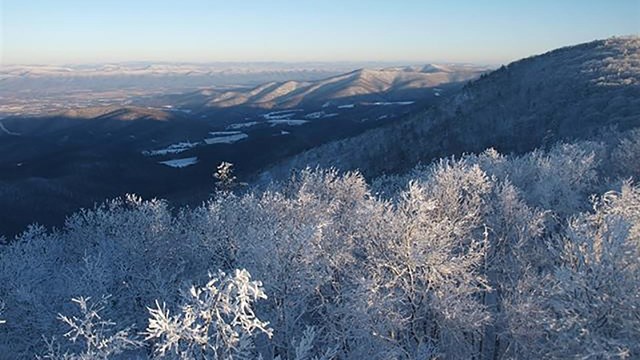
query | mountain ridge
(372,84)
(567,93)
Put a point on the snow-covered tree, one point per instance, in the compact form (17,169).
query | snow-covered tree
(216,321)
(481,256)
(225,177)
(94,335)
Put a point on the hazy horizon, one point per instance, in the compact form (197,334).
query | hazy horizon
(196,31)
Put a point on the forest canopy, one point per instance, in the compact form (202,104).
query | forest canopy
(486,255)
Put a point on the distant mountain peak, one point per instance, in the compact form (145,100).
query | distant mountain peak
(364,82)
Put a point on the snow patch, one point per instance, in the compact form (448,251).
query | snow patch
(223,133)
(171,149)
(281,114)
(346,106)
(180,163)
(287,122)
(241,125)
(320,115)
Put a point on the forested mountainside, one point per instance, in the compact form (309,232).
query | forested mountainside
(570,93)
(481,256)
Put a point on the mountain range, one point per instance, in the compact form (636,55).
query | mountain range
(389,84)
(575,92)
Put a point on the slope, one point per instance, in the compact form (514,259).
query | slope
(361,85)
(572,92)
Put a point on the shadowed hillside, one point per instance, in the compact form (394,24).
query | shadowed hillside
(572,92)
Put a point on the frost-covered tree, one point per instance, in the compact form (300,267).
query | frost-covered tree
(94,335)
(305,232)
(225,177)
(216,321)
(626,155)
(483,256)
(588,307)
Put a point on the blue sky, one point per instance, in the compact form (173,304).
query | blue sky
(82,31)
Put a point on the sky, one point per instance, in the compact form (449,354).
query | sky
(474,31)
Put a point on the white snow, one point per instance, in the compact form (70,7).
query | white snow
(282,114)
(223,133)
(284,132)
(346,106)
(180,163)
(171,149)
(320,115)
(242,125)
(287,122)
(226,139)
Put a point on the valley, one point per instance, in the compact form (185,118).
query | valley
(71,151)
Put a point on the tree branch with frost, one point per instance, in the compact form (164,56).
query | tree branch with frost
(216,319)
(100,342)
